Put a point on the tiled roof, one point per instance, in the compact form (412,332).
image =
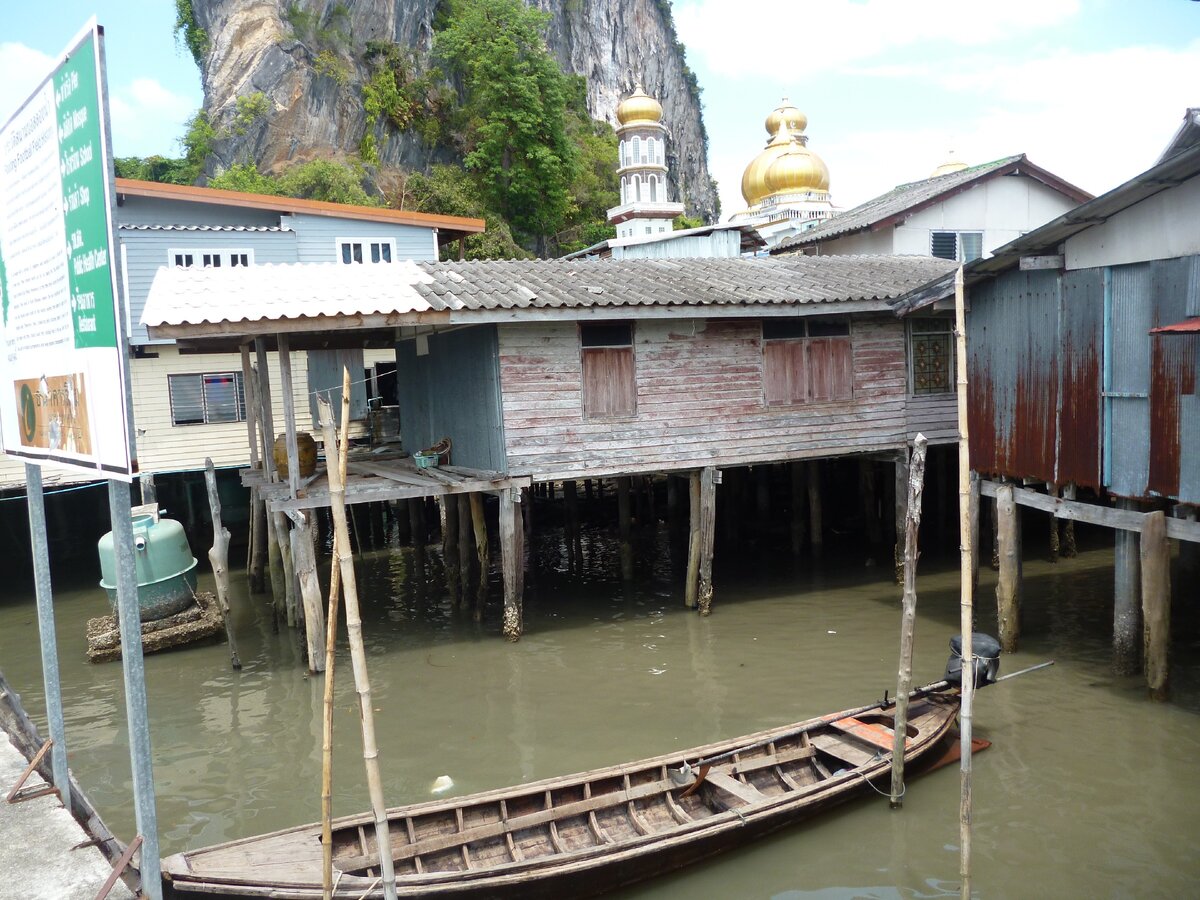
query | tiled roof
(907,198)
(491,290)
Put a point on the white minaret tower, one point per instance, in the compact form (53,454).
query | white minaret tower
(642,153)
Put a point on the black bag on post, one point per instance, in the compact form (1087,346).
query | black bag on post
(985,659)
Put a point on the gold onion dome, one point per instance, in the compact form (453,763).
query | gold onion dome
(801,170)
(639,107)
(952,164)
(785,112)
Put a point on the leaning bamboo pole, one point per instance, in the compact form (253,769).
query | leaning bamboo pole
(343,451)
(358,656)
(967,619)
(912,525)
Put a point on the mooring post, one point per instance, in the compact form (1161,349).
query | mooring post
(901,511)
(708,523)
(1008,584)
(305,563)
(512,561)
(1127,606)
(908,620)
(691,587)
(624,515)
(1156,602)
(218,557)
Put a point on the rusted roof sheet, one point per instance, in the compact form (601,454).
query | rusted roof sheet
(486,291)
(906,199)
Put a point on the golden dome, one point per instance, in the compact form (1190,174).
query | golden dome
(639,107)
(785,166)
(952,164)
(785,112)
(795,171)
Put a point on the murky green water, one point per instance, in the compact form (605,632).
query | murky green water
(1088,791)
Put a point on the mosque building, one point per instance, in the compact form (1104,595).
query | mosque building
(786,187)
(645,208)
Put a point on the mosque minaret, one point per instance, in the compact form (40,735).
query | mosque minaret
(642,153)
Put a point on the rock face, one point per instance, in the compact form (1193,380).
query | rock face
(614,44)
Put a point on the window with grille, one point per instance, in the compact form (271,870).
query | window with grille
(806,361)
(609,386)
(931,356)
(962,246)
(353,251)
(210,259)
(207,399)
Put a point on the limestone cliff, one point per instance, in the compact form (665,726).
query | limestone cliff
(313,112)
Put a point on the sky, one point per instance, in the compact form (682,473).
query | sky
(1091,90)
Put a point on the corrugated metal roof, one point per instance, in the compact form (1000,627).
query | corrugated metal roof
(1188,326)
(906,199)
(200,228)
(751,239)
(490,290)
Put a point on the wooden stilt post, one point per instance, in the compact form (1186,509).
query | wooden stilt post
(218,557)
(973,528)
(1127,606)
(1052,490)
(479,526)
(869,501)
(916,485)
(254,558)
(358,655)
(574,548)
(512,561)
(815,528)
(967,604)
(1008,584)
(283,537)
(466,555)
(450,558)
(1156,603)
(624,516)
(901,511)
(275,541)
(305,562)
(1068,548)
(149,490)
(416,521)
(691,589)
(799,512)
(708,523)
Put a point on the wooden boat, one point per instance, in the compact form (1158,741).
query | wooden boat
(581,835)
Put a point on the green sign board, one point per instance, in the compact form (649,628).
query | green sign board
(63,367)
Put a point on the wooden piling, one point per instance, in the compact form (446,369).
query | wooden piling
(1008,584)
(283,538)
(868,496)
(799,524)
(973,501)
(908,619)
(304,559)
(358,656)
(624,516)
(218,557)
(417,528)
(149,490)
(512,562)
(691,589)
(479,526)
(450,557)
(815,528)
(708,516)
(573,540)
(1052,490)
(1068,548)
(1156,603)
(466,556)
(1127,607)
(901,496)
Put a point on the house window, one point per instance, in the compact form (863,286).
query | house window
(653,188)
(962,246)
(207,399)
(806,361)
(354,251)
(931,356)
(209,259)
(609,389)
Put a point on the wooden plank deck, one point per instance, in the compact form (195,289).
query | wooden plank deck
(373,477)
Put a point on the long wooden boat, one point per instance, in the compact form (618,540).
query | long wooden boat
(581,835)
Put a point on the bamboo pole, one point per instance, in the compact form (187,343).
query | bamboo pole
(912,525)
(335,585)
(218,556)
(967,618)
(358,657)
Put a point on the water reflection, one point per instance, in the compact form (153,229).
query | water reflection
(1088,791)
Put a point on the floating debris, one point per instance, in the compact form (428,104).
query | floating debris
(442,784)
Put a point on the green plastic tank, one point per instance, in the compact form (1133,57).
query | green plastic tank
(166,569)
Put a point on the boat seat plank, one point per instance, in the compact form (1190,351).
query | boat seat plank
(842,749)
(873,733)
(731,793)
(773,759)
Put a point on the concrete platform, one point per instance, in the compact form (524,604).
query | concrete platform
(36,859)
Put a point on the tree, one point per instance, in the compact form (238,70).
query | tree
(515,102)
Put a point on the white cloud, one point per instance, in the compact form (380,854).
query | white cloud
(147,118)
(21,70)
(756,37)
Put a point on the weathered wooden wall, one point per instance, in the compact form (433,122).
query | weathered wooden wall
(699,400)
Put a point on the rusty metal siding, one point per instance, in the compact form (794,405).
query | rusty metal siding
(1173,386)
(1013,375)
(1081,341)
(1127,389)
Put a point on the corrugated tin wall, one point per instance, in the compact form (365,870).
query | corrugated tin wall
(453,391)
(1129,415)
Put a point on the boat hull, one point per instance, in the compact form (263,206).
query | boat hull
(585,834)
